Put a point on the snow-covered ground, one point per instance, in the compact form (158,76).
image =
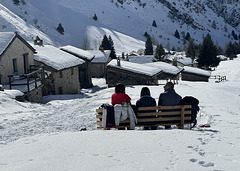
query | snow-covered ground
(48,136)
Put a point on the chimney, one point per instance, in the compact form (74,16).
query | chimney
(123,55)
(38,41)
(118,61)
(127,58)
(174,61)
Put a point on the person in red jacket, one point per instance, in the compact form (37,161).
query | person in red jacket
(120,96)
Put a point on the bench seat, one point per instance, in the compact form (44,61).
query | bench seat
(179,115)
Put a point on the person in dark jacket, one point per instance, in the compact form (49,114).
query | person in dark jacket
(146,101)
(169,97)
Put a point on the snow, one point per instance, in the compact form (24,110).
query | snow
(78,52)
(134,67)
(165,67)
(197,71)
(100,56)
(5,39)
(95,56)
(48,136)
(55,58)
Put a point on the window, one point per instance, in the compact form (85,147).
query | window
(60,74)
(15,65)
(60,90)
(25,62)
(72,71)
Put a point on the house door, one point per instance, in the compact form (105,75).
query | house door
(25,61)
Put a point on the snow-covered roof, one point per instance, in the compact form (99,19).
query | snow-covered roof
(56,58)
(100,56)
(197,71)
(165,67)
(78,52)
(141,59)
(181,58)
(134,67)
(5,39)
(186,61)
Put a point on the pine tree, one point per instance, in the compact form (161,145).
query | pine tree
(154,23)
(60,28)
(107,44)
(113,53)
(159,53)
(146,35)
(16,2)
(214,26)
(176,34)
(208,53)
(173,48)
(95,17)
(191,49)
(187,36)
(230,50)
(148,47)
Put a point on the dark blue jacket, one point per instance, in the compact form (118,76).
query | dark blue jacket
(146,101)
(169,98)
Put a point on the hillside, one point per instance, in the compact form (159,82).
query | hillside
(125,20)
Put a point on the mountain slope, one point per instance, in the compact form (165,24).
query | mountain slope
(125,20)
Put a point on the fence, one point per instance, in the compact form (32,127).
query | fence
(30,80)
(219,78)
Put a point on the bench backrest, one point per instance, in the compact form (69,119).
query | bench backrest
(158,115)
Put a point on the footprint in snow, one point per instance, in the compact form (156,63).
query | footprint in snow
(204,164)
(193,160)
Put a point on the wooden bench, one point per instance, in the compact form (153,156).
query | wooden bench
(164,115)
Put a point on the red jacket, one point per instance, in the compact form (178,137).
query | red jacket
(119,98)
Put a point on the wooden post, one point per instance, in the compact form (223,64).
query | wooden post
(35,79)
(182,117)
(28,87)
(10,83)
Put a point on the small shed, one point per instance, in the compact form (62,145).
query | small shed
(87,57)
(62,76)
(99,63)
(130,73)
(195,74)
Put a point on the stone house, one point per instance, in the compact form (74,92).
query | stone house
(99,63)
(129,73)
(62,70)
(16,56)
(195,74)
(17,68)
(87,57)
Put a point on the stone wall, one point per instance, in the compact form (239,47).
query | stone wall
(68,83)
(98,70)
(35,95)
